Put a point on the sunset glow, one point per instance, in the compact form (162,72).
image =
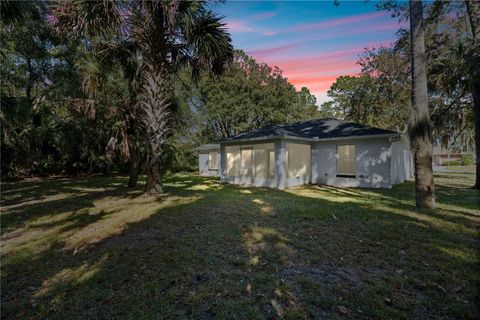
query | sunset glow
(312,42)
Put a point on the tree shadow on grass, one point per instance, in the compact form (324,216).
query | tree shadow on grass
(14,217)
(252,253)
(37,189)
(456,205)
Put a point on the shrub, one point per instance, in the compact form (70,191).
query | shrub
(467,160)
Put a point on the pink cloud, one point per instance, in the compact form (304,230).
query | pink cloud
(337,21)
(269,33)
(297,59)
(324,68)
(264,15)
(343,26)
(346,30)
(375,27)
(238,26)
(271,51)
(320,74)
(281,55)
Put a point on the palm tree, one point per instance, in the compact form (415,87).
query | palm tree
(419,126)
(171,35)
(125,54)
(473,59)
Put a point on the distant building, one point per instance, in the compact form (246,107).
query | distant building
(444,156)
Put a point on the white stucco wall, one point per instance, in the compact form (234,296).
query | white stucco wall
(372,165)
(401,161)
(203,163)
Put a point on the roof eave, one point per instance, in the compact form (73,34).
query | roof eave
(276,137)
(270,137)
(208,147)
(369,136)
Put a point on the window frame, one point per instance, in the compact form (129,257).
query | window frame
(345,174)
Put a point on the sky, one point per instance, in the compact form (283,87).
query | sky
(313,42)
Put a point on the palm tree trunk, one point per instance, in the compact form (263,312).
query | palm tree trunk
(134,169)
(419,126)
(156,104)
(155,173)
(473,10)
(129,117)
(109,153)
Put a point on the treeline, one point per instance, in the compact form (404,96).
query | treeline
(86,89)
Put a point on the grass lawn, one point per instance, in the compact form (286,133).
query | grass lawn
(88,248)
(462,168)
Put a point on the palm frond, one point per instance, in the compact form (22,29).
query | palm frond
(86,17)
(15,12)
(208,44)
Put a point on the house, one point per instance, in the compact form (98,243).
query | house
(323,151)
(443,156)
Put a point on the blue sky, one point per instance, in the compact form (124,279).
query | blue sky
(313,42)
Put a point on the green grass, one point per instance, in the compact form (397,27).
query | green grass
(89,248)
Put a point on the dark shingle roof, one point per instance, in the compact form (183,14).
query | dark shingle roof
(312,129)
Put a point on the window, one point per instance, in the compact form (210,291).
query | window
(213,160)
(271,163)
(298,160)
(346,160)
(252,161)
(247,162)
(233,160)
(261,160)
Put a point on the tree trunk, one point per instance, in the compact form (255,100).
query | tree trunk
(134,170)
(473,10)
(476,109)
(157,94)
(155,173)
(129,118)
(109,153)
(419,126)
(155,105)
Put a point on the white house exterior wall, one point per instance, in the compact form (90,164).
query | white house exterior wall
(372,165)
(402,161)
(203,163)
